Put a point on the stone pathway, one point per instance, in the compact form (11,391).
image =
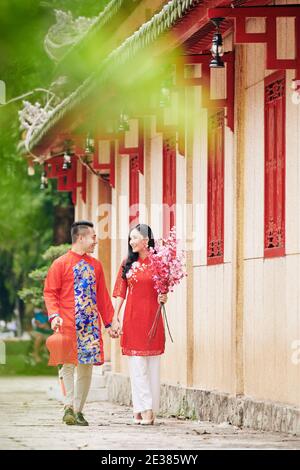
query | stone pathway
(29,420)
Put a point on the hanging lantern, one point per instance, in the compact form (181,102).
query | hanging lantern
(66,161)
(123,122)
(89,146)
(30,169)
(61,348)
(217,50)
(165,94)
(44,181)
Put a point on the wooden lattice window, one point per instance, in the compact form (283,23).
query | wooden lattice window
(134,188)
(169,182)
(274,204)
(215,189)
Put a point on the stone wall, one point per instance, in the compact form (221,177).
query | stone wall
(213,406)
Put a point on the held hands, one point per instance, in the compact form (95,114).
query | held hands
(112,333)
(56,323)
(116,329)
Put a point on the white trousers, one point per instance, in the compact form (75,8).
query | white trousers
(145,382)
(83,382)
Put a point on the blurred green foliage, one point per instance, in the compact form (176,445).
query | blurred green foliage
(26,212)
(33,295)
(19,360)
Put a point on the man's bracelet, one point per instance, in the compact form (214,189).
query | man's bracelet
(108,325)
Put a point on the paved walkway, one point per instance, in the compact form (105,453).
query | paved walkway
(29,420)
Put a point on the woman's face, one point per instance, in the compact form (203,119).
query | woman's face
(137,242)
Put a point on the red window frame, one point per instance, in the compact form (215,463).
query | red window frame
(134,190)
(215,188)
(169,183)
(274,164)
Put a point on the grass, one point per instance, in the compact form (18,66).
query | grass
(19,360)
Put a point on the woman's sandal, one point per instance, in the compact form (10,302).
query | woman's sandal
(147,422)
(136,420)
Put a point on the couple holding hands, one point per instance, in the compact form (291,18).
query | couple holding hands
(77,299)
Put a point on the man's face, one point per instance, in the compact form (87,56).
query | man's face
(88,240)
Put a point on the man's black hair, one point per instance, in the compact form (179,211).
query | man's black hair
(76,228)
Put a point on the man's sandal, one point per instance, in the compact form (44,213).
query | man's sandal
(69,416)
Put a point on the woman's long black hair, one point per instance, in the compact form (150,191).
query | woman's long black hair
(146,231)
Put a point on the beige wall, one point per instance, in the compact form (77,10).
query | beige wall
(272,286)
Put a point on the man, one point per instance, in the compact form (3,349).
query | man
(76,298)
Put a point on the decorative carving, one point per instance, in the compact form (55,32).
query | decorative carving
(275,90)
(274,223)
(215,189)
(65,32)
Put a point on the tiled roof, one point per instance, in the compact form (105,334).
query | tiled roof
(161,22)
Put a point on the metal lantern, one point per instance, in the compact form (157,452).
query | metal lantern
(89,146)
(30,170)
(123,122)
(44,181)
(217,50)
(165,94)
(66,161)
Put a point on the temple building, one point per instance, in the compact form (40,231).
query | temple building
(187,113)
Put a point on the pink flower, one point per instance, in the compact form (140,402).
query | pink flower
(167,262)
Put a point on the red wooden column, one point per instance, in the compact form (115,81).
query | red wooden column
(110,167)
(139,149)
(169,182)
(274,219)
(215,189)
(136,166)
(134,190)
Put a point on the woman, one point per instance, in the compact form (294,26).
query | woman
(135,276)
